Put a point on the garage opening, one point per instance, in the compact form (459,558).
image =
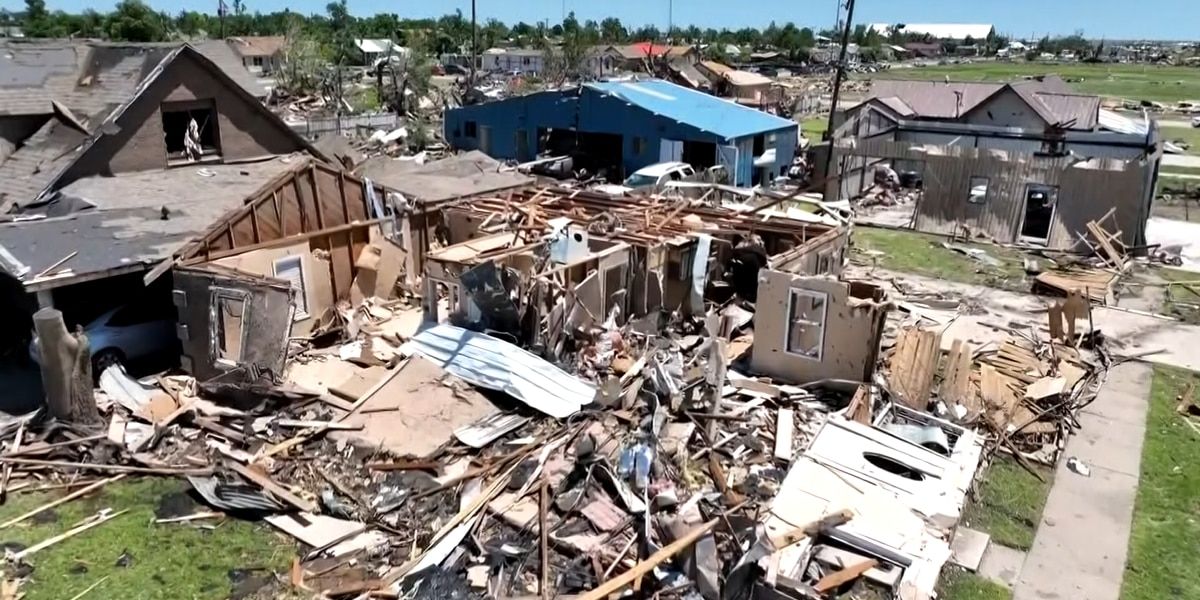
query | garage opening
(700,155)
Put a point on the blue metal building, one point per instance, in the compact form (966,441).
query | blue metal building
(641,122)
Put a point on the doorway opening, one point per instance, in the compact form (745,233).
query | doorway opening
(1040,202)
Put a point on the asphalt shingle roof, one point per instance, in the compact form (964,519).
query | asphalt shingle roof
(125,227)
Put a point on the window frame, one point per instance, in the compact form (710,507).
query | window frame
(971,185)
(793,293)
(212,121)
(216,295)
(301,311)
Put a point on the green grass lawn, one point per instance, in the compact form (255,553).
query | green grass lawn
(922,254)
(167,561)
(958,584)
(1168,170)
(1010,502)
(814,127)
(1189,135)
(1135,82)
(1164,547)
(1177,299)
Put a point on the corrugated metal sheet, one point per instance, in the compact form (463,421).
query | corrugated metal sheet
(490,363)
(1086,191)
(702,111)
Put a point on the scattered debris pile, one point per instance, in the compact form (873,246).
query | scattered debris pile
(587,407)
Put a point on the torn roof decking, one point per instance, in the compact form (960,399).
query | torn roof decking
(124,230)
(642,221)
(463,175)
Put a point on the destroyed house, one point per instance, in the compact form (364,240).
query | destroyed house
(627,126)
(625,258)
(290,223)
(1028,162)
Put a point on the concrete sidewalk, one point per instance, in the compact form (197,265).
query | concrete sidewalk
(1082,541)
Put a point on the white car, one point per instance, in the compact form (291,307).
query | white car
(651,179)
(1195,121)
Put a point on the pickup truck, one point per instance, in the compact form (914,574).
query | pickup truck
(651,179)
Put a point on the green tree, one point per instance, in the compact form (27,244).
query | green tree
(492,34)
(134,21)
(36,19)
(612,31)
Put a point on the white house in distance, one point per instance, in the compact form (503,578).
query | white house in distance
(938,31)
(513,60)
(261,54)
(374,51)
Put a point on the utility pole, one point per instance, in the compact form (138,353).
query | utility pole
(670,20)
(221,16)
(474,45)
(837,83)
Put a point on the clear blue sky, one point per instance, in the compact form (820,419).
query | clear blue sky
(1114,19)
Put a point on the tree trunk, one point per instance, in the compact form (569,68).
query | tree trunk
(66,369)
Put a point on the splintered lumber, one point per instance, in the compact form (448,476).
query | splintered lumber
(98,520)
(913,363)
(956,385)
(275,489)
(794,536)
(860,406)
(785,422)
(1092,283)
(642,568)
(69,497)
(834,580)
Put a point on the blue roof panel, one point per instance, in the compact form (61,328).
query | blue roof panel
(709,113)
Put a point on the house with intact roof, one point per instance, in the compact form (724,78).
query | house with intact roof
(260,54)
(629,125)
(1030,161)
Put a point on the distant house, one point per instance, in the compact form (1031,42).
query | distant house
(743,87)
(633,56)
(1030,161)
(513,60)
(938,31)
(261,55)
(371,52)
(925,49)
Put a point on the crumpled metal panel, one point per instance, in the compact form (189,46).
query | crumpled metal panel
(487,362)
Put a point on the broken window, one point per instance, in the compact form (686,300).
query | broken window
(291,270)
(229,311)
(806,323)
(977,194)
(470,129)
(190,130)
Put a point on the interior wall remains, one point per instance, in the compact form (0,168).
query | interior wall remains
(228,321)
(850,324)
(318,284)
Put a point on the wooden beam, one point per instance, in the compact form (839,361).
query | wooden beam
(254,224)
(642,568)
(283,241)
(275,489)
(304,218)
(342,193)
(838,578)
(316,193)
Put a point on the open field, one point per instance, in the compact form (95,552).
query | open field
(1135,82)
(1188,135)
(1163,550)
